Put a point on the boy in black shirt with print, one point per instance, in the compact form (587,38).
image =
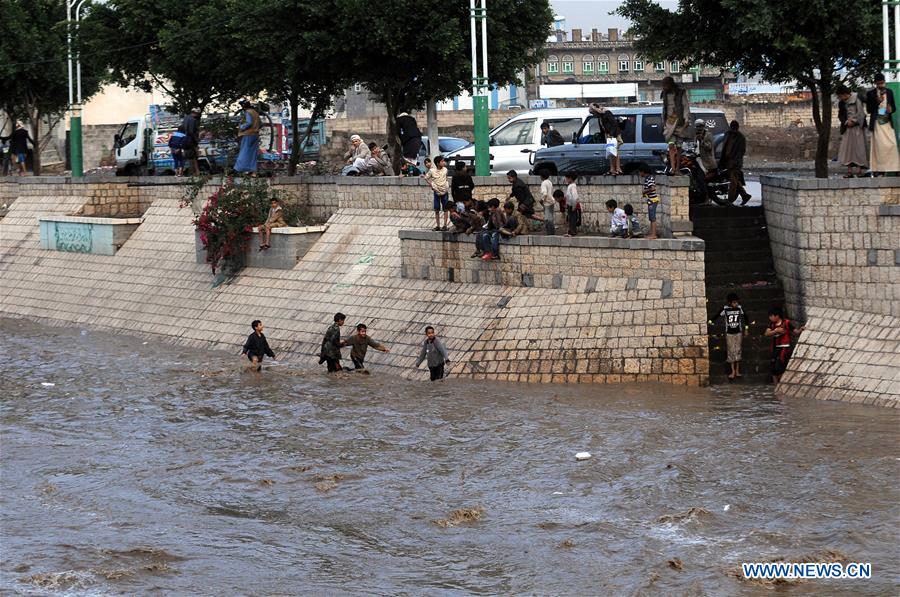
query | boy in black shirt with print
(735,325)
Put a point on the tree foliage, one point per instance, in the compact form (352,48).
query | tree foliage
(33,67)
(817,43)
(411,53)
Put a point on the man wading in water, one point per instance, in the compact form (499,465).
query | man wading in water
(331,344)
(256,347)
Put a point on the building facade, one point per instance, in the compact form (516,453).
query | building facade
(612,58)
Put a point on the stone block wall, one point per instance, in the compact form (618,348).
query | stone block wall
(836,246)
(835,242)
(635,308)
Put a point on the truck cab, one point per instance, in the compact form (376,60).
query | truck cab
(133,146)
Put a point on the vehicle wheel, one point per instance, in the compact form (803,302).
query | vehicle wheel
(551,171)
(131,170)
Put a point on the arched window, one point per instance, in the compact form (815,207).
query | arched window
(602,64)
(587,64)
(624,63)
(552,65)
(568,64)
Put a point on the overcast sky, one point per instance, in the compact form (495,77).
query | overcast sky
(594,14)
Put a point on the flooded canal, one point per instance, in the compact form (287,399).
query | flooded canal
(151,468)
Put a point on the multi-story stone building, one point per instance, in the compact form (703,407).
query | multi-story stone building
(612,58)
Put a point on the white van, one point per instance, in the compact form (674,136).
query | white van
(523,132)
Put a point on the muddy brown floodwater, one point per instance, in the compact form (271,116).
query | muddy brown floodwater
(152,468)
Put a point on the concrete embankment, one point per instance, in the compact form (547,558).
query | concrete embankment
(627,326)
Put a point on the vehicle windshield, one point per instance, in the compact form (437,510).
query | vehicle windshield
(128,133)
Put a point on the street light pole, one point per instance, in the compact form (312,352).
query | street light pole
(478,12)
(75,147)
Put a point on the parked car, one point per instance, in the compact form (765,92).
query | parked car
(523,132)
(643,143)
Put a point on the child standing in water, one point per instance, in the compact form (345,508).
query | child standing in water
(359,344)
(735,326)
(256,347)
(331,344)
(780,329)
(433,350)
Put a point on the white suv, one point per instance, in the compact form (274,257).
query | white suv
(523,132)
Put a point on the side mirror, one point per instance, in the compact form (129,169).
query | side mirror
(117,140)
(575,137)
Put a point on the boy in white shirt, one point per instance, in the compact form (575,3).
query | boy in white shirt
(437,178)
(618,223)
(547,202)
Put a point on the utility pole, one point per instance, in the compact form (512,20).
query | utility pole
(432,124)
(478,12)
(74,107)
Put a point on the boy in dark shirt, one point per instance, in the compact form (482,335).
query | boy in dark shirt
(331,344)
(735,325)
(780,329)
(360,343)
(461,184)
(256,347)
(522,194)
(434,353)
(493,223)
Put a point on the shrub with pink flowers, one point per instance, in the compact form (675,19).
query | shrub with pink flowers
(227,219)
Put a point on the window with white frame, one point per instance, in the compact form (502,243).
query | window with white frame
(675,66)
(568,65)
(638,65)
(624,63)
(587,64)
(659,67)
(552,65)
(603,64)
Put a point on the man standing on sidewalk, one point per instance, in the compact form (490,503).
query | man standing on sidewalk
(191,127)
(733,149)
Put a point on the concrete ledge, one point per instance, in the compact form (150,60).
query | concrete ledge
(78,234)
(92,220)
(295,229)
(690,243)
(288,246)
(804,184)
(889,209)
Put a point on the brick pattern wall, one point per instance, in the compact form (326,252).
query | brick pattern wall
(153,286)
(836,245)
(831,246)
(847,355)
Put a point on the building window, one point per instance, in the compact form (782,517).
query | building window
(675,66)
(568,65)
(552,65)
(587,64)
(623,66)
(357,87)
(603,64)
(638,66)
(659,67)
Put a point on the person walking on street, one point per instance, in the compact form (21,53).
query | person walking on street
(18,146)
(190,126)
(733,149)
(852,116)
(410,137)
(249,140)
(881,107)
(676,114)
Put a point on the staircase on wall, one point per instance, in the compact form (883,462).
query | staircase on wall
(738,259)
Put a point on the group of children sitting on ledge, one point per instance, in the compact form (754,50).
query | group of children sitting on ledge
(490,221)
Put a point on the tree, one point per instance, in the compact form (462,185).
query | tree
(412,53)
(186,50)
(817,43)
(33,66)
(302,65)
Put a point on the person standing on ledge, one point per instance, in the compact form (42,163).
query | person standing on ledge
(733,149)
(410,137)
(256,347)
(249,139)
(676,114)
(780,329)
(331,344)
(433,350)
(852,116)
(880,105)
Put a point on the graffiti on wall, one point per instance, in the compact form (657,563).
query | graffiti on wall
(73,238)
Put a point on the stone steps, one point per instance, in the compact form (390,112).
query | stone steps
(737,257)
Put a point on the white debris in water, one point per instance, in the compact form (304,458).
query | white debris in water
(727,507)
(582,455)
(84,332)
(47,384)
(144,342)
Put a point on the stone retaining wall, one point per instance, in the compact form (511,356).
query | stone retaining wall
(153,286)
(836,246)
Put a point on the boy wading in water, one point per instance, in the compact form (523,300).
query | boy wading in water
(256,347)
(433,350)
(331,344)
(360,343)
(735,328)
(780,329)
